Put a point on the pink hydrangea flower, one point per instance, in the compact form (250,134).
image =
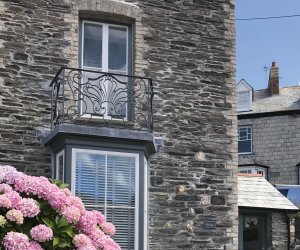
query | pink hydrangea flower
(5,188)
(110,245)
(2,221)
(34,246)
(71,214)
(8,174)
(11,175)
(67,191)
(15,241)
(15,215)
(26,184)
(87,247)
(100,218)
(98,237)
(14,198)
(75,202)
(66,204)
(87,222)
(41,233)
(81,240)
(56,198)
(29,207)
(108,228)
(4,201)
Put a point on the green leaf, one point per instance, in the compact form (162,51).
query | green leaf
(55,241)
(68,230)
(63,243)
(56,219)
(61,222)
(48,222)
(64,185)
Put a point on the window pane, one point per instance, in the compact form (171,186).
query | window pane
(244,146)
(107,183)
(123,219)
(61,167)
(117,49)
(243,134)
(120,181)
(243,101)
(92,45)
(90,179)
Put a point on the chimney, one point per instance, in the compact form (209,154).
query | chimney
(273,85)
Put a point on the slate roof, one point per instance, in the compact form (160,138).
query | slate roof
(256,192)
(288,99)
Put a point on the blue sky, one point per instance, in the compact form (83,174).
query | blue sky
(263,41)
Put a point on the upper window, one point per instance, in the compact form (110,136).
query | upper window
(244,101)
(105,48)
(245,140)
(244,96)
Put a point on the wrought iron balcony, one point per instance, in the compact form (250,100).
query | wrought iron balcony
(101,99)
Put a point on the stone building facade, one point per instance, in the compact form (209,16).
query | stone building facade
(185,166)
(268,145)
(275,132)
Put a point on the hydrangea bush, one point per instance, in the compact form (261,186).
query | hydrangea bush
(36,214)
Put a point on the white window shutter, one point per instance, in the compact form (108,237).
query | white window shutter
(92,45)
(117,49)
(107,183)
(90,180)
(121,197)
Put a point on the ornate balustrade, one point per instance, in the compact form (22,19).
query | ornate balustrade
(101,99)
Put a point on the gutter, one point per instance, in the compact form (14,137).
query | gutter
(267,114)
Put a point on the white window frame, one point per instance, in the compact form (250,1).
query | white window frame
(137,183)
(60,154)
(253,170)
(251,151)
(105,44)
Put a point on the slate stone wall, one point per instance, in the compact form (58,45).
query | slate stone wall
(32,46)
(193,178)
(188,48)
(279,236)
(275,144)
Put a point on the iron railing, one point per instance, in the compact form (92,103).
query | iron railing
(101,99)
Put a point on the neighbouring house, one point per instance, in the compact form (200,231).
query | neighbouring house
(268,143)
(140,120)
(264,214)
(269,130)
